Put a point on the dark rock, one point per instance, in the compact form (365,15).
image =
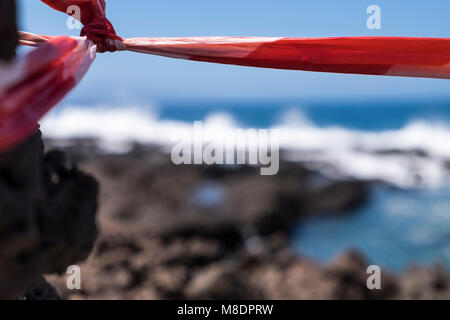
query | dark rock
(425,283)
(41,290)
(47,216)
(156,243)
(350,271)
(420,153)
(219,281)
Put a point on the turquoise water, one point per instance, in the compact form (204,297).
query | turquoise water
(395,229)
(366,115)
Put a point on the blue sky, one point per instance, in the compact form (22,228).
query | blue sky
(140,78)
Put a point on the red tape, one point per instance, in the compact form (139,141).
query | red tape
(58,64)
(392,56)
(36,83)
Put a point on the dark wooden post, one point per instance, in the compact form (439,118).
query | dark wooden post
(8,29)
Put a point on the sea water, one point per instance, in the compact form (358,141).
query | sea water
(395,229)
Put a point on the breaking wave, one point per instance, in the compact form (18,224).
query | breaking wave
(417,155)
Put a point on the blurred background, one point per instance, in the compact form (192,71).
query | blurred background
(365,159)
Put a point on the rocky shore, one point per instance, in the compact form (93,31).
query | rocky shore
(197,232)
(47,218)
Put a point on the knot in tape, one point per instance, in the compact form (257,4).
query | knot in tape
(102,33)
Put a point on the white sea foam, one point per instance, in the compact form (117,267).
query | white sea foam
(350,152)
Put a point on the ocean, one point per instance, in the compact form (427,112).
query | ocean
(405,143)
